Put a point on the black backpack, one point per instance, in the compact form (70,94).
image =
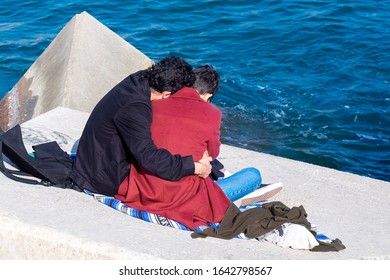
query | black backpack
(50,164)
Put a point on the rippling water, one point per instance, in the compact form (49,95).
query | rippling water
(307,80)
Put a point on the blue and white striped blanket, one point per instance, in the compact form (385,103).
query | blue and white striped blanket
(157,219)
(146,216)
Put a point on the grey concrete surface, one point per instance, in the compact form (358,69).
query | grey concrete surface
(84,61)
(38,222)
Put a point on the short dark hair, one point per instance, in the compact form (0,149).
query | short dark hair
(170,74)
(207,80)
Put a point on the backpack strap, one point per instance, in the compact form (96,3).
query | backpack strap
(10,173)
(45,152)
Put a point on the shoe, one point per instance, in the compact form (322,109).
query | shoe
(265,192)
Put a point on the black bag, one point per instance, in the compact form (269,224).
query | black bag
(216,172)
(50,164)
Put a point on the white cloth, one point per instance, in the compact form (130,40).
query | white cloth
(292,236)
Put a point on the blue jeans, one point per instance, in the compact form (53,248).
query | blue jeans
(240,183)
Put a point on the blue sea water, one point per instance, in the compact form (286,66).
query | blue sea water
(307,80)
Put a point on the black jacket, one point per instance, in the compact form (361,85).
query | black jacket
(117,132)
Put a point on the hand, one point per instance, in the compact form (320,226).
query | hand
(203,167)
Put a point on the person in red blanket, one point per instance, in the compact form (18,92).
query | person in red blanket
(186,123)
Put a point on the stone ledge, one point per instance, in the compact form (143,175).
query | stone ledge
(48,223)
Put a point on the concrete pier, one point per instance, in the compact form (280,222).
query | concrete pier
(83,62)
(53,100)
(38,222)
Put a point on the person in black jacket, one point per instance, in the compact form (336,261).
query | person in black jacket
(118,131)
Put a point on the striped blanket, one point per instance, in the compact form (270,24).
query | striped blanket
(157,219)
(146,216)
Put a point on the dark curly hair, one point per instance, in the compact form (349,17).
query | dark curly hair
(170,74)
